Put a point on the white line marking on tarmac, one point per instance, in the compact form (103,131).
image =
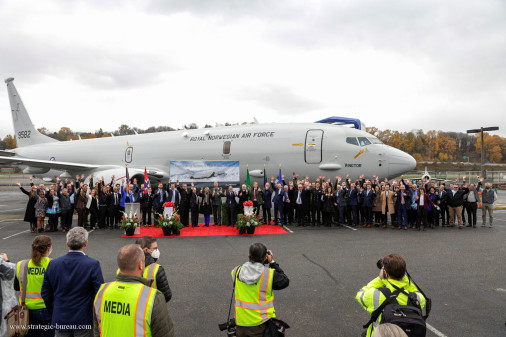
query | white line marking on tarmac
(435,331)
(288,229)
(90,231)
(353,229)
(11,210)
(10,236)
(11,220)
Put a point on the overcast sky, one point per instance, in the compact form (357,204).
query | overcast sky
(394,64)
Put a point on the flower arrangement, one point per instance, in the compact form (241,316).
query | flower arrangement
(168,204)
(248,220)
(129,221)
(173,221)
(248,203)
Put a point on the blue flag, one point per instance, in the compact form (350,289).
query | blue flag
(280,176)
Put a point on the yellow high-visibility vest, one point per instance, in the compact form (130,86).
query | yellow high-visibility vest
(149,273)
(254,303)
(124,309)
(34,280)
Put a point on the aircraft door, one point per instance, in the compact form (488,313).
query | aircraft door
(128,154)
(313,146)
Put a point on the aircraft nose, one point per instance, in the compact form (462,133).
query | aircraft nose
(401,162)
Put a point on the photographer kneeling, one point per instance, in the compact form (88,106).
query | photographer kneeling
(393,297)
(254,282)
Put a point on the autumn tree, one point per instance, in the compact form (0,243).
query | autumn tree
(10,142)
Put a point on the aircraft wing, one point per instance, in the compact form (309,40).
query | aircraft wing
(57,165)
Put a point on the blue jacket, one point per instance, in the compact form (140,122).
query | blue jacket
(69,288)
(267,195)
(157,203)
(368,198)
(340,196)
(279,198)
(176,198)
(353,196)
(134,195)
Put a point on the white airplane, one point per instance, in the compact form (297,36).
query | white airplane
(311,149)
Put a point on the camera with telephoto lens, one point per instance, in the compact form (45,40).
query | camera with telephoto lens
(229,326)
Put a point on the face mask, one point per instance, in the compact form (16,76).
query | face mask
(155,254)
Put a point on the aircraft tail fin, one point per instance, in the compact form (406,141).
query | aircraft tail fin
(24,131)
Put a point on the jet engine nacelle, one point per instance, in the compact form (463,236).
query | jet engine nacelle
(35,170)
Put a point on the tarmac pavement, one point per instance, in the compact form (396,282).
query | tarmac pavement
(463,271)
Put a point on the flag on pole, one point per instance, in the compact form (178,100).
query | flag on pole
(248,179)
(265,176)
(146,181)
(280,176)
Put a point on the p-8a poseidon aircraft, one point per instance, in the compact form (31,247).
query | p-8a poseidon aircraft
(311,149)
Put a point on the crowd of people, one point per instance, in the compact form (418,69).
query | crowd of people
(67,296)
(402,204)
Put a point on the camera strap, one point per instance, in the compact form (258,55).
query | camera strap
(428,301)
(233,291)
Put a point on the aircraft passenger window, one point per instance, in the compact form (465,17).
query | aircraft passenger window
(375,140)
(363,141)
(352,140)
(226,147)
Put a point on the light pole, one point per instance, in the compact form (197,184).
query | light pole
(481,130)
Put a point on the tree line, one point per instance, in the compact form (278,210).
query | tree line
(432,145)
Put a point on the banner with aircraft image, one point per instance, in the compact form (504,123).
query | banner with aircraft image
(204,173)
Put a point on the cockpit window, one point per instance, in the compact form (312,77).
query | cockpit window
(374,140)
(352,140)
(363,141)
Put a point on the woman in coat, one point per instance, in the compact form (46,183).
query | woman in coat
(40,210)
(205,205)
(328,206)
(388,205)
(30,207)
(377,206)
(53,210)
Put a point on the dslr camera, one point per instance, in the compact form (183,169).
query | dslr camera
(229,326)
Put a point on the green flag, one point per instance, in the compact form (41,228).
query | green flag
(248,179)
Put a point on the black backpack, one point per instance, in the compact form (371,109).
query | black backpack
(408,317)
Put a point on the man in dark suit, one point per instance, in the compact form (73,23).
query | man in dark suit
(184,205)
(353,202)
(230,205)
(160,197)
(279,198)
(368,195)
(267,206)
(291,206)
(243,197)
(70,285)
(340,193)
(216,195)
(443,208)
(402,203)
(173,194)
(316,204)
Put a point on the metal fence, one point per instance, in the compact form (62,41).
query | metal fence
(495,177)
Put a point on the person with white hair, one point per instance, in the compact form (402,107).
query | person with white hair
(70,285)
(389,330)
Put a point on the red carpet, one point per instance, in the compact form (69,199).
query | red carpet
(210,231)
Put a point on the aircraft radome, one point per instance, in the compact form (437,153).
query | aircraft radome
(309,149)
